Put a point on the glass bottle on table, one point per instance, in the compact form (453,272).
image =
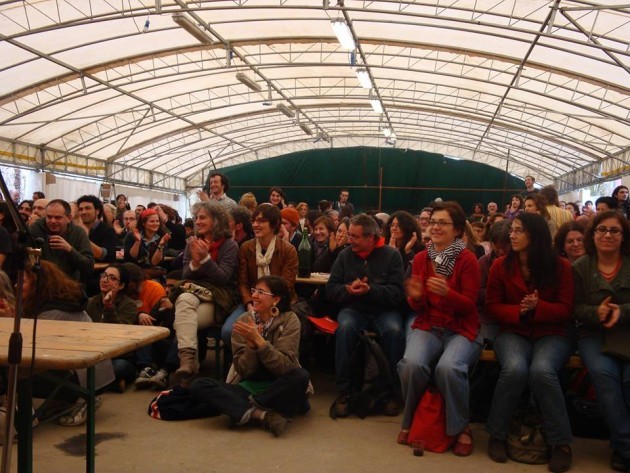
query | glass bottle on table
(304,256)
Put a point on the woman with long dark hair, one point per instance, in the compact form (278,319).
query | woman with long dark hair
(277,197)
(516,206)
(530,295)
(403,233)
(266,383)
(602,298)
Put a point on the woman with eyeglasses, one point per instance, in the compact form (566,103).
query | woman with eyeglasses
(403,233)
(444,340)
(265,255)
(210,262)
(602,312)
(266,383)
(112,306)
(530,295)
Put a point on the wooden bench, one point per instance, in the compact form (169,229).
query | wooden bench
(575,362)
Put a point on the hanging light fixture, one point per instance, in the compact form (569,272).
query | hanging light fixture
(377,106)
(343,33)
(248,81)
(305,128)
(364,78)
(194,30)
(285,110)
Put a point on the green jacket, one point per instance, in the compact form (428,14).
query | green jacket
(124,310)
(591,289)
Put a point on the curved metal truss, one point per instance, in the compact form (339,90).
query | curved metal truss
(152,93)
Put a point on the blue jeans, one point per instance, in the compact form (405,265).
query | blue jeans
(388,324)
(226,328)
(535,363)
(447,354)
(611,377)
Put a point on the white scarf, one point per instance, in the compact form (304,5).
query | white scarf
(263,261)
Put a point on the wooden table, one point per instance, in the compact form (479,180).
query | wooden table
(317,279)
(65,345)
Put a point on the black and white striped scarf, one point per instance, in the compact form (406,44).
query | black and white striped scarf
(445,260)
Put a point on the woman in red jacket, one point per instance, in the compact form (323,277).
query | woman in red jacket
(530,295)
(445,336)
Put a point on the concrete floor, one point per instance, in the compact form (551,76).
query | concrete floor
(131,441)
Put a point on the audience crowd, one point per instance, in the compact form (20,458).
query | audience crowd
(535,282)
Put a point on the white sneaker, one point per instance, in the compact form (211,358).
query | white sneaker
(160,379)
(78,414)
(143,381)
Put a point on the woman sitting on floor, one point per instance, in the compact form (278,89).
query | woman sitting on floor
(112,306)
(602,311)
(530,295)
(266,382)
(444,340)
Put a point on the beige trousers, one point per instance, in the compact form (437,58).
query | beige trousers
(191,315)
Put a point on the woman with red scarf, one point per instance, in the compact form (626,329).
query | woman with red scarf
(210,262)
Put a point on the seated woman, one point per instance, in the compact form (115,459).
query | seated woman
(322,239)
(112,306)
(444,340)
(472,243)
(145,245)
(574,209)
(60,298)
(277,197)
(569,241)
(210,261)
(403,233)
(265,255)
(477,215)
(530,295)
(602,301)
(266,382)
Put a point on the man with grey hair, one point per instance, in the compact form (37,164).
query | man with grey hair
(366,281)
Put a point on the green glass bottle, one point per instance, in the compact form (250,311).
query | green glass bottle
(304,256)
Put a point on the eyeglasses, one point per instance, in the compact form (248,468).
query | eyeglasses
(260,292)
(516,231)
(439,223)
(423,219)
(259,220)
(614,231)
(109,277)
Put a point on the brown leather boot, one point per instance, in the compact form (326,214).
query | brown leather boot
(188,366)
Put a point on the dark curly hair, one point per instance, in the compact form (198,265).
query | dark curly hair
(589,242)
(561,235)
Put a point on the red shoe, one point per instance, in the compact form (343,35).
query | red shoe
(464,444)
(403,437)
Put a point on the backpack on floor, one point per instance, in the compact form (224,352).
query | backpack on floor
(374,379)
(526,441)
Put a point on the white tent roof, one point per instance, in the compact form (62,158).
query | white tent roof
(543,84)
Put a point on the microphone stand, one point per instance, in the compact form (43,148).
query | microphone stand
(15,341)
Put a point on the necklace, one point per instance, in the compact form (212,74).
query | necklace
(608,276)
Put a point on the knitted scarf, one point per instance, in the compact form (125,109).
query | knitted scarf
(444,261)
(263,261)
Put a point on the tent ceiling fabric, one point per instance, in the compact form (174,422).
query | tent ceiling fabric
(85,89)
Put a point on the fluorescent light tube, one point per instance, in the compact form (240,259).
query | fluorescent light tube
(364,78)
(248,81)
(377,105)
(343,33)
(305,128)
(194,30)
(387,131)
(284,109)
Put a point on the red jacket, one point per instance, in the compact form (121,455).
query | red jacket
(506,289)
(458,308)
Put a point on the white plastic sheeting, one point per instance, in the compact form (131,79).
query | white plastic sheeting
(85,89)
